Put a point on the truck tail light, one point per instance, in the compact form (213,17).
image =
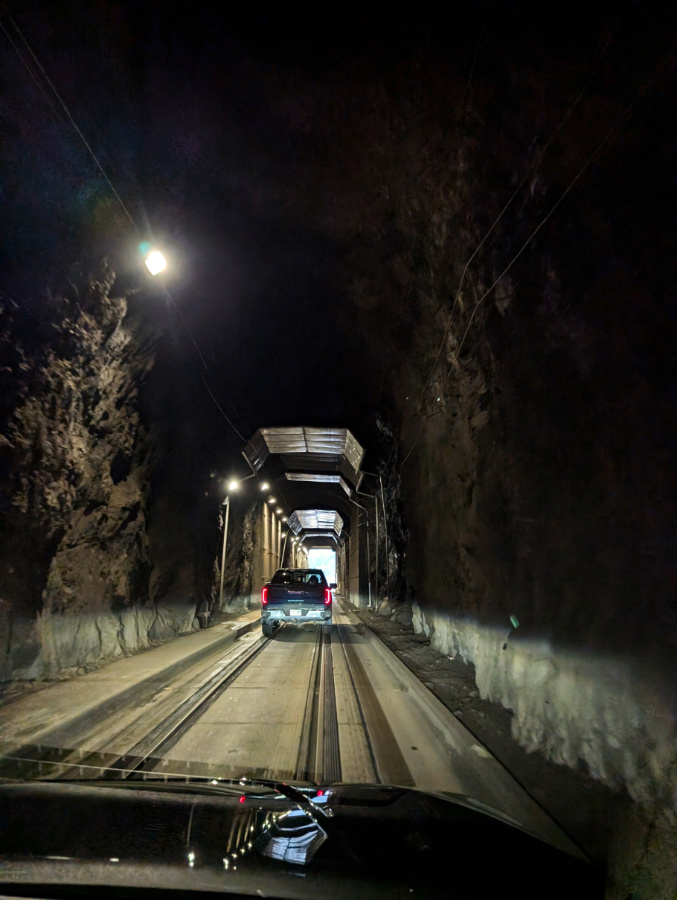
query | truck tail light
(264,596)
(327,596)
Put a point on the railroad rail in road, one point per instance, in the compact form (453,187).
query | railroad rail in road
(300,706)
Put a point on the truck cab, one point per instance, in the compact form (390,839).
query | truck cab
(297,596)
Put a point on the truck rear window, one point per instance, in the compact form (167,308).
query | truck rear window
(299,576)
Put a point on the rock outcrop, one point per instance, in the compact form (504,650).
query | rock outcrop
(511,280)
(74,560)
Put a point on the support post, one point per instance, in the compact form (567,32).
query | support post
(223,553)
(366,511)
(385,527)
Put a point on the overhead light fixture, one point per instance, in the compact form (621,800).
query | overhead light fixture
(272,500)
(233,485)
(284,518)
(264,486)
(156,262)
(279,511)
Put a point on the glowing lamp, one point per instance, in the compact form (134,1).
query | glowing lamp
(155,262)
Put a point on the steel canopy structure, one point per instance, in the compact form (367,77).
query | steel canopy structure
(315,520)
(319,478)
(320,469)
(309,451)
(315,473)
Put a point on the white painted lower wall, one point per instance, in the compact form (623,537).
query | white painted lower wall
(615,714)
(63,642)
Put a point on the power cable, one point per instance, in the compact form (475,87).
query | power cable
(612,132)
(31,72)
(536,163)
(466,92)
(72,121)
(110,184)
(186,328)
(615,129)
(218,406)
(534,166)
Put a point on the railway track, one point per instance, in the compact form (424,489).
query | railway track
(300,706)
(318,758)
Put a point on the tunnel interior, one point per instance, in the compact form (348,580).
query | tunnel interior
(452,241)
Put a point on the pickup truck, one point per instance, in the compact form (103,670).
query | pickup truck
(297,596)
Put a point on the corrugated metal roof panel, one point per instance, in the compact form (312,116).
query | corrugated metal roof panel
(354,452)
(319,477)
(336,442)
(256,451)
(313,519)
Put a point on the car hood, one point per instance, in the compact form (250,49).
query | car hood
(338,841)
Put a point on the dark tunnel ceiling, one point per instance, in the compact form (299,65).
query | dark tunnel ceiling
(179,110)
(196,113)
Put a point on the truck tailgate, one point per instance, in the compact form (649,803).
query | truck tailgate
(295,594)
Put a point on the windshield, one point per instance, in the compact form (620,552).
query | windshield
(299,576)
(337,392)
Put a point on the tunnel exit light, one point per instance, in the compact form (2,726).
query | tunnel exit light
(325,559)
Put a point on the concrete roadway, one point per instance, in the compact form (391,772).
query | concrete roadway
(391,728)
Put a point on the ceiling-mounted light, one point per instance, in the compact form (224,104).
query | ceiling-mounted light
(264,486)
(155,262)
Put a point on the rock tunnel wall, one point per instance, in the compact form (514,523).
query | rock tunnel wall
(519,317)
(78,582)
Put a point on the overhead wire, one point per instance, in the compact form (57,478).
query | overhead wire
(72,121)
(218,406)
(480,38)
(613,130)
(610,135)
(530,171)
(41,71)
(457,119)
(31,72)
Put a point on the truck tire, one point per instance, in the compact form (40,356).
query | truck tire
(326,629)
(267,628)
